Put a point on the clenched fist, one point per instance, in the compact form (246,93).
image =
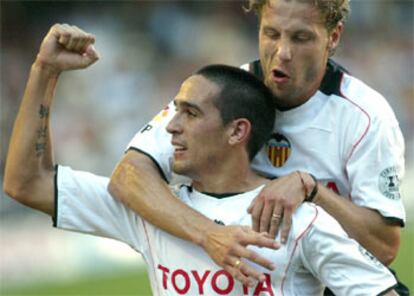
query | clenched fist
(65,48)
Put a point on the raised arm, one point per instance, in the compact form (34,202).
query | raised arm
(29,169)
(137,182)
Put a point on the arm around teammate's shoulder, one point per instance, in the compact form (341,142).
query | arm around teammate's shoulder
(137,182)
(377,234)
(338,261)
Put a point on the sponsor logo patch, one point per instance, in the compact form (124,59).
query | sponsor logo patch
(389,183)
(278,150)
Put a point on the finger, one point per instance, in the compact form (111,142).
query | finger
(88,59)
(265,217)
(242,271)
(91,52)
(239,275)
(275,221)
(250,237)
(64,34)
(252,204)
(84,41)
(251,273)
(73,40)
(87,41)
(287,223)
(256,214)
(63,38)
(252,256)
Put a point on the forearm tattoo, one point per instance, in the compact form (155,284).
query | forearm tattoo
(40,149)
(43,111)
(42,132)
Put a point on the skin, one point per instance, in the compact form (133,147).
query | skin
(201,153)
(197,152)
(300,49)
(212,154)
(294,40)
(29,169)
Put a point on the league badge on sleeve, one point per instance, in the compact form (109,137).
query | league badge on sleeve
(278,150)
(389,183)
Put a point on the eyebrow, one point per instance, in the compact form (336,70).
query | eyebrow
(187,105)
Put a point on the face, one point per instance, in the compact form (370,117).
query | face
(294,48)
(198,135)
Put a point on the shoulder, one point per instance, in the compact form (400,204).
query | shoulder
(355,95)
(309,218)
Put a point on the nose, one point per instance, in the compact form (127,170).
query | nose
(284,52)
(174,126)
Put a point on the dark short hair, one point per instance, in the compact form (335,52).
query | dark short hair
(243,95)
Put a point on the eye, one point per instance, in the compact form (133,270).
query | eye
(302,37)
(270,33)
(191,113)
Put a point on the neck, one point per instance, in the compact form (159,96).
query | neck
(232,175)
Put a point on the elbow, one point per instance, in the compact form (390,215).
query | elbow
(388,255)
(15,189)
(114,187)
(126,178)
(390,247)
(118,184)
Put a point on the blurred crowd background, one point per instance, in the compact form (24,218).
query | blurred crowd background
(147,49)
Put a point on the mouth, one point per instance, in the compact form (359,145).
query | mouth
(178,148)
(280,76)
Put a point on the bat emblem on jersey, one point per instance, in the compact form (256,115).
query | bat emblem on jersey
(278,150)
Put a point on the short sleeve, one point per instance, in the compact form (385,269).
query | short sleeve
(84,205)
(340,262)
(376,167)
(154,141)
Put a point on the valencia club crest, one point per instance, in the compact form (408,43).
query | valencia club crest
(278,150)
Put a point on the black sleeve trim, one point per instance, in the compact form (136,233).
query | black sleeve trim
(153,159)
(54,218)
(387,290)
(395,220)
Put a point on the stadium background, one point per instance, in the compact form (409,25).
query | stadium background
(147,48)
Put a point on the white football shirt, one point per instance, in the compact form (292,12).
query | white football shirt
(346,135)
(318,251)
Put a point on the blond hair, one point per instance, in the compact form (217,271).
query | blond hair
(333,12)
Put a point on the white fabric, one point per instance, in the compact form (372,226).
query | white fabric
(352,141)
(318,251)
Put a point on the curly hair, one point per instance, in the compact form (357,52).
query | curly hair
(332,11)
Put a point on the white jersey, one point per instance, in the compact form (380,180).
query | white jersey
(318,251)
(346,135)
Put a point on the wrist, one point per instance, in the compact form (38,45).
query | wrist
(45,68)
(310,186)
(204,236)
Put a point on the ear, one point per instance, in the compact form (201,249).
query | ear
(335,37)
(239,131)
